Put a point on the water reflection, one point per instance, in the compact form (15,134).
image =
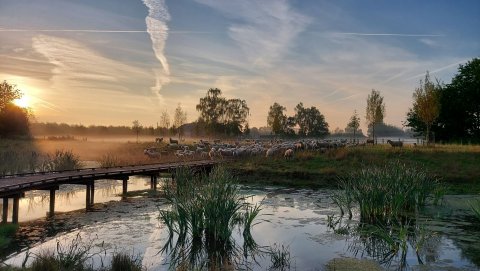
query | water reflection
(70,197)
(298,219)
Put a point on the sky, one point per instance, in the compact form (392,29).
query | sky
(110,62)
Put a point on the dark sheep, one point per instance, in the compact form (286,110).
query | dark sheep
(395,143)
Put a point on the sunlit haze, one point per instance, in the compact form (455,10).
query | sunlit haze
(111,62)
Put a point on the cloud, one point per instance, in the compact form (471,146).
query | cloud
(385,34)
(265,30)
(157,28)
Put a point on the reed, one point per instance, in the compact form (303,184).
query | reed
(6,233)
(475,206)
(61,160)
(126,262)
(387,191)
(279,257)
(205,212)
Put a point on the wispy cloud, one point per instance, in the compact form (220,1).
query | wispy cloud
(267,29)
(157,28)
(449,66)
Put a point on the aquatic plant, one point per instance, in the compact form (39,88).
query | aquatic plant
(475,206)
(109,160)
(6,232)
(384,192)
(206,209)
(126,262)
(390,243)
(279,257)
(61,160)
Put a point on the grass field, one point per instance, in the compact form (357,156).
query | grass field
(457,166)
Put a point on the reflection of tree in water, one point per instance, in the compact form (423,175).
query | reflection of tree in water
(391,243)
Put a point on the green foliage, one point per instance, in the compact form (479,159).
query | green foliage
(375,112)
(310,121)
(276,118)
(205,211)
(459,115)
(220,115)
(475,206)
(385,192)
(354,122)
(7,231)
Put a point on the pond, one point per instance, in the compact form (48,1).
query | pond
(305,222)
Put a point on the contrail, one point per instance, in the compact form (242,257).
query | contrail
(104,31)
(439,69)
(386,34)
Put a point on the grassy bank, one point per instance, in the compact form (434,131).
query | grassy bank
(457,166)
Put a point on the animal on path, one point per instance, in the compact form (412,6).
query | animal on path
(173,141)
(158,139)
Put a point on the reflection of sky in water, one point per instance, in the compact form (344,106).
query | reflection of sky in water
(35,204)
(296,218)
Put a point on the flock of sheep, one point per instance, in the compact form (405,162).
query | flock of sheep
(246,148)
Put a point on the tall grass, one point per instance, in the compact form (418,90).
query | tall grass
(384,192)
(61,160)
(205,212)
(279,257)
(475,206)
(6,233)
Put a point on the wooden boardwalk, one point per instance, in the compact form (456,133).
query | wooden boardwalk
(14,186)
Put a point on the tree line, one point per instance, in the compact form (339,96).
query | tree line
(447,112)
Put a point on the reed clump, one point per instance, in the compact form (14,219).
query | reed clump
(61,160)
(6,233)
(205,211)
(387,191)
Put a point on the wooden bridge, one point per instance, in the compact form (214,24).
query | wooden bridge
(15,186)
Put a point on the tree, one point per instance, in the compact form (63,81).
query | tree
(310,121)
(375,110)
(236,112)
(426,104)
(8,93)
(354,124)
(136,127)
(179,119)
(212,108)
(277,119)
(221,115)
(164,122)
(460,107)
(14,120)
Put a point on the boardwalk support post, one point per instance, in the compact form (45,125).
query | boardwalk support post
(89,196)
(5,210)
(52,202)
(124,186)
(153,182)
(16,200)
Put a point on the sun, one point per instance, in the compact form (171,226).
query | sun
(23,102)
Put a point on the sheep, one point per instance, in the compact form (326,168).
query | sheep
(173,141)
(288,154)
(270,152)
(395,143)
(151,153)
(159,140)
(370,141)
